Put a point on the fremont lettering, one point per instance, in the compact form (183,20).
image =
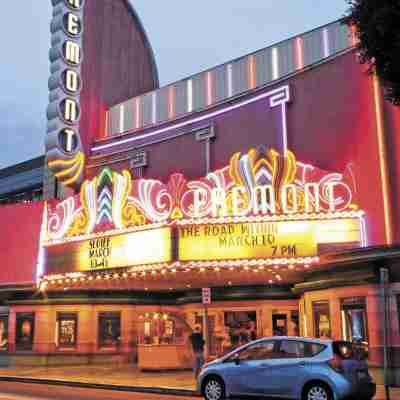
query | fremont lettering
(73,24)
(74,4)
(70,110)
(265,199)
(72,52)
(71,81)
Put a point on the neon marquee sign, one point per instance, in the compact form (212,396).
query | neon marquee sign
(63,142)
(261,184)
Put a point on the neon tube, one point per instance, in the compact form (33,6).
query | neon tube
(383,160)
(279,96)
(299,51)
(121,118)
(275,64)
(252,72)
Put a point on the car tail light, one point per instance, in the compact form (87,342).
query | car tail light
(336,364)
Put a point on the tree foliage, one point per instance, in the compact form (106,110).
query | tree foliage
(378,29)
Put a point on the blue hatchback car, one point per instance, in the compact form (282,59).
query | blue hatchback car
(289,367)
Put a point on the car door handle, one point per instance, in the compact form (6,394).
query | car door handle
(265,365)
(302,364)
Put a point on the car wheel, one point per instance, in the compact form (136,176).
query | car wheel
(214,389)
(317,391)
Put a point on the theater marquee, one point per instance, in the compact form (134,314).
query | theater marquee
(265,207)
(246,240)
(109,252)
(260,240)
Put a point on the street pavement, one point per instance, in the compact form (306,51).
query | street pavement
(122,377)
(22,391)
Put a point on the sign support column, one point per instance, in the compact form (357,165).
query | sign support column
(384,278)
(206,300)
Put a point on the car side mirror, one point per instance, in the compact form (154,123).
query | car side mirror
(236,359)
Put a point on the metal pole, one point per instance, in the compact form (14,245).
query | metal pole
(206,332)
(208,155)
(384,278)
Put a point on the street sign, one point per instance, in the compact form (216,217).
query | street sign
(206,296)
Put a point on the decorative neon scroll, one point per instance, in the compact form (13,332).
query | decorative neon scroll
(261,183)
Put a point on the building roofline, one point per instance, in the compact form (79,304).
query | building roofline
(23,166)
(139,24)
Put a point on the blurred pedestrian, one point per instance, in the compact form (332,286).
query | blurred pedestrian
(244,336)
(197,341)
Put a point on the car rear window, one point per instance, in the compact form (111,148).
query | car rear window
(313,349)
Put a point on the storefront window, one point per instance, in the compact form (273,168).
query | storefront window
(25,330)
(240,328)
(160,328)
(3,333)
(109,329)
(67,324)
(354,319)
(294,319)
(322,321)
(279,325)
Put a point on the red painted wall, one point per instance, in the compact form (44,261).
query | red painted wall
(19,243)
(392,129)
(118,63)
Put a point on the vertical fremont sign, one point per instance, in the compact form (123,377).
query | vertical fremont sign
(63,143)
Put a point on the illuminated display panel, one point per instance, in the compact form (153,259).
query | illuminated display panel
(107,252)
(265,206)
(283,239)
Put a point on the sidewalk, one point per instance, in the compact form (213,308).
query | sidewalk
(107,375)
(127,376)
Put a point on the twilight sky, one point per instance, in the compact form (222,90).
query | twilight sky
(187,37)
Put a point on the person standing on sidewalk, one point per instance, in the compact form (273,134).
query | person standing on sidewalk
(197,341)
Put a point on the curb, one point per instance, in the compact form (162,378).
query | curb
(119,388)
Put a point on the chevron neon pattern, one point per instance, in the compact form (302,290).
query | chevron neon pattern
(104,197)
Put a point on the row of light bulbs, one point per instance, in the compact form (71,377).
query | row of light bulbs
(126,275)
